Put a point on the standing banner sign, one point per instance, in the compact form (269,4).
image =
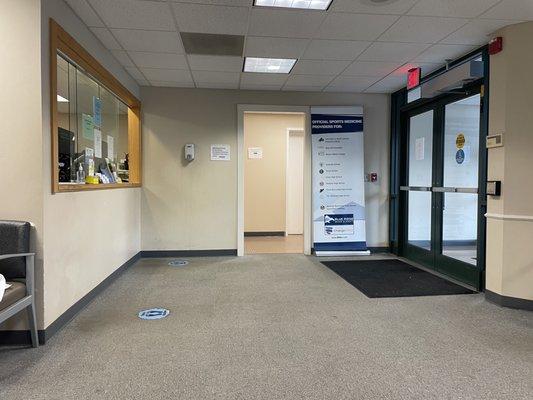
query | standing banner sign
(338,180)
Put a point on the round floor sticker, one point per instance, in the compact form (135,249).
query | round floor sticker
(178,263)
(154,313)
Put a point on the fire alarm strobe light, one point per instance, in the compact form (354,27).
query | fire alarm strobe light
(495,45)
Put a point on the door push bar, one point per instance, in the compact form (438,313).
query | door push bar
(439,189)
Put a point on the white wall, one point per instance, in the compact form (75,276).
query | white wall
(20,124)
(88,235)
(194,206)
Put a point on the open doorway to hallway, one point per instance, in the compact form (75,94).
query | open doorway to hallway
(274,152)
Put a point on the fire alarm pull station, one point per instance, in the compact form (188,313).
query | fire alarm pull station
(494,188)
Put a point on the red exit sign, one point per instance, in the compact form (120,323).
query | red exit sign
(413,77)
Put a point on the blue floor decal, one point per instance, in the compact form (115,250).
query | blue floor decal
(154,313)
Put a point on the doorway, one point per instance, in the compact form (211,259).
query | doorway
(273,160)
(440,203)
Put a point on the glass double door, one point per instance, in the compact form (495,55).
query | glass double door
(440,196)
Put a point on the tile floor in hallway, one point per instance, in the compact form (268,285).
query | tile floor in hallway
(274,327)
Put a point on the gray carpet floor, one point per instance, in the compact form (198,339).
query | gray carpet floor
(274,327)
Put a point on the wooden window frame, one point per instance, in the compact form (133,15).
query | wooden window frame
(62,42)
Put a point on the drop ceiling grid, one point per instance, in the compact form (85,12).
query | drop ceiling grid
(135,29)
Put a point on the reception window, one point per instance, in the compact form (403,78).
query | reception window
(95,122)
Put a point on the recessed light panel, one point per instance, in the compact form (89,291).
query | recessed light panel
(305,4)
(269,65)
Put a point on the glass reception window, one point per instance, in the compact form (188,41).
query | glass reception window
(95,122)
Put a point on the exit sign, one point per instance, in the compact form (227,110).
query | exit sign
(413,77)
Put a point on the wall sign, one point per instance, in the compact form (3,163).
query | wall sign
(338,179)
(220,152)
(255,152)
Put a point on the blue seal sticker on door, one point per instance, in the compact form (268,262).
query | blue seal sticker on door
(460,156)
(154,313)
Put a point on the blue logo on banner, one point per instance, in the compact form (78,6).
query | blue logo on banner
(324,123)
(154,313)
(460,156)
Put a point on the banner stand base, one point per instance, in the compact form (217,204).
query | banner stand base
(341,253)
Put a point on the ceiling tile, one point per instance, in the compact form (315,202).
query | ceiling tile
(211,19)
(398,7)
(216,77)
(296,88)
(142,82)
(214,85)
(172,84)
(439,53)
(159,60)
(246,86)
(107,39)
(476,32)
(334,49)
(350,84)
(257,46)
(371,68)
(393,52)
(122,58)
(215,63)
(83,10)
(320,67)
(135,73)
(309,80)
(243,3)
(422,29)
(355,26)
(388,84)
(452,8)
(153,41)
(249,78)
(167,75)
(284,23)
(130,14)
(521,10)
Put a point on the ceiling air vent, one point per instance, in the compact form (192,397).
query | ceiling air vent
(211,44)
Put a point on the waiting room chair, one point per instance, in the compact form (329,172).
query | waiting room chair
(17,265)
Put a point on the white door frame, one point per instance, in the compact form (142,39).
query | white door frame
(287,159)
(241,110)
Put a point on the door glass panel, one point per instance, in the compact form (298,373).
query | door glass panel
(461,164)
(419,224)
(421,149)
(461,143)
(459,227)
(420,174)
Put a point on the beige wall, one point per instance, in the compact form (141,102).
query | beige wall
(20,132)
(194,205)
(87,235)
(509,269)
(264,179)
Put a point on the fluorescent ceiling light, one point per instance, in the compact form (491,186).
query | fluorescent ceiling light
(61,99)
(269,65)
(305,4)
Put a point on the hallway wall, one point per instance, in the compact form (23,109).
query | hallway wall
(193,206)
(264,179)
(88,235)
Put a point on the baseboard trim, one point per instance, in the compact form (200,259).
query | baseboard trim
(510,302)
(23,337)
(187,253)
(274,233)
(374,250)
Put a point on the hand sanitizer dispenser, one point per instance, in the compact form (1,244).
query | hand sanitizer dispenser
(189,152)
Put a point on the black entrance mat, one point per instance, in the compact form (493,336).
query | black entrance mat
(393,278)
